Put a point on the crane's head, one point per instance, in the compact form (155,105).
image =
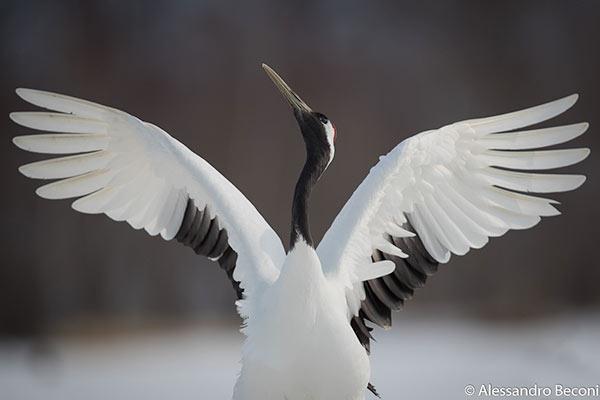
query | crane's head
(318,131)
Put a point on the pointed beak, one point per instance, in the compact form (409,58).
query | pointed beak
(295,101)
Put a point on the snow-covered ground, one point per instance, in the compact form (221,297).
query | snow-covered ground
(418,359)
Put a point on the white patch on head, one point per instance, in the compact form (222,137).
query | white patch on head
(330,132)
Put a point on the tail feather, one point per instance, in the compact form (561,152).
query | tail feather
(373,390)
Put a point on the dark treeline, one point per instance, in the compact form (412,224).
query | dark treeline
(380,71)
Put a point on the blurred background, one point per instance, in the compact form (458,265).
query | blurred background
(90,308)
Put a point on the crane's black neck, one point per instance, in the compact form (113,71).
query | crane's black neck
(317,159)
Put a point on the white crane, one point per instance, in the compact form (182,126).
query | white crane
(438,193)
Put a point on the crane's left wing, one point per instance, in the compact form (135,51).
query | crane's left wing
(440,192)
(134,171)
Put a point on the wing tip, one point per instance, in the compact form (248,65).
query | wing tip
(572,182)
(578,180)
(15,117)
(553,213)
(579,128)
(79,205)
(23,118)
(24,171)
(19,142)
(585,153)
(23,91)
(26,93)
(20,91)
(567,102)
(564,103)
(43,192)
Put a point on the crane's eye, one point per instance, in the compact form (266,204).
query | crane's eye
(323,119)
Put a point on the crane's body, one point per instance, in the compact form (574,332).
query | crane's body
(307,313)
(300,345)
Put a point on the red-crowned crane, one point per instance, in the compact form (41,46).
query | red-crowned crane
(307,313)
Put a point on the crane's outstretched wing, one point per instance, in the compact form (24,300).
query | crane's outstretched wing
(440,192)
(134,171)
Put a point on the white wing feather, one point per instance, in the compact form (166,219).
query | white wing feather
(134,171)
(445,180)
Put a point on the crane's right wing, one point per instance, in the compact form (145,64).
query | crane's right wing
(134,171)
(444,192)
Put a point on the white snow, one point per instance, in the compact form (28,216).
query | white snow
(418,359)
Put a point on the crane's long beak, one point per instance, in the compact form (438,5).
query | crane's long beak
(287,92)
